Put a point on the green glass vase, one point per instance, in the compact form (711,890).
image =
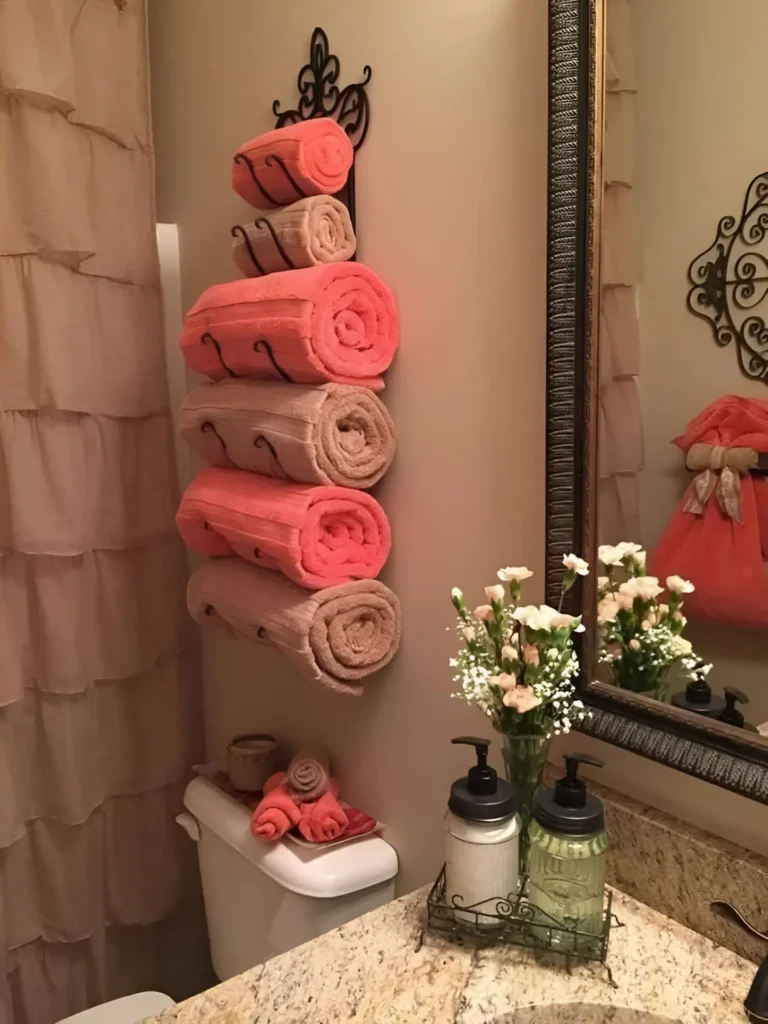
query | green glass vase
(525,756)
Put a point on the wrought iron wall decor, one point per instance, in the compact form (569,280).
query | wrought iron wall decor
(320,96)
(730,282)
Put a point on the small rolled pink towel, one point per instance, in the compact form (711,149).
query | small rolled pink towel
(310,158)
(308,774)
(276,813)
(314,230)
(323,820)
(317,536)
(337,322)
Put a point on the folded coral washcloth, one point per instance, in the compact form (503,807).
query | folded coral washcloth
(358,822)
(276,813)
(312,231)
(336,322)
(308,774)
(318,536)
(331,434)
(338,636)
(323,820)
(305,159)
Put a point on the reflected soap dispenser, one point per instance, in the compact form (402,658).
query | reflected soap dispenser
(698,697)
(482,855)
(567,856)
(730,713)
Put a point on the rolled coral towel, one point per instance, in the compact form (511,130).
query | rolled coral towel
(318,536)
(312,231)
(336,322)
(338,636)
(308,774)
(306,159)
(276,813)
(323,820)
(331,434)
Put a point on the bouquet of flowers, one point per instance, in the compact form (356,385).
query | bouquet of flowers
(517,662)
(641,623)
(518,665)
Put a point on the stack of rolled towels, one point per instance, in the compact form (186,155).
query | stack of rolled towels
(290,425)
(307,800)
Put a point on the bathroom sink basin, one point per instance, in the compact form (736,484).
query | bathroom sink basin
(581,1013)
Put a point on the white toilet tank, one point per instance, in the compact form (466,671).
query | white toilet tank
(262,899)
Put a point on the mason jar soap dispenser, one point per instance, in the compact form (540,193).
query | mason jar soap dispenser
(482,854)
(567,857)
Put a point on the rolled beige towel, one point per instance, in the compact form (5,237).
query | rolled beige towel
(314,230)
(339,636)
(331,434)
(308,773)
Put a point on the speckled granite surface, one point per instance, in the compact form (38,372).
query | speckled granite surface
(372,971)
(679,869)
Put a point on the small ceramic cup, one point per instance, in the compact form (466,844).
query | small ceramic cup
(250,761)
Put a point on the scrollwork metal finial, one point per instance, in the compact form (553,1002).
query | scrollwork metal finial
(730,282)
(320,96)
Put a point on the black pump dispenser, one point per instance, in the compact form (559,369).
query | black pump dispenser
(569,808)
(698,697)
(731,713)
(481,795)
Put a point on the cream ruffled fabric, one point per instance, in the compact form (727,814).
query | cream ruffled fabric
(98,721)
(620,424)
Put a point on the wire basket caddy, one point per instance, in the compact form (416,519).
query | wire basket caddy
(514,919)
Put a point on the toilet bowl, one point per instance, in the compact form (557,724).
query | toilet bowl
(262,899)
(128,1010)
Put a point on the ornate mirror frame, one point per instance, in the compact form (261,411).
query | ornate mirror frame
(706,749)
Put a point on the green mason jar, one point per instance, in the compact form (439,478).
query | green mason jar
(568,847)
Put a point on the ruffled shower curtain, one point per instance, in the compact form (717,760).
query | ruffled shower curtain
(621,430)
(97,704)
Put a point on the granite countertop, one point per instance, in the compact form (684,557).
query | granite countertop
(375,970)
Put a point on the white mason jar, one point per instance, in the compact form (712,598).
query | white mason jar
(482,856)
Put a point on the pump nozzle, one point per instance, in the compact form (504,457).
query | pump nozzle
(731,713)
(481,748)
(481,777)
(570,791)
(572,762)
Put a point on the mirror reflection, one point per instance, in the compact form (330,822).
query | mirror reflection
(682,503)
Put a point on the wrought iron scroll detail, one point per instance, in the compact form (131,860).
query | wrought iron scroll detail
(264,346)
(320,96)
(261,441)
(208,339)
(730,282)
(264,222)
(239,231)
(209,427)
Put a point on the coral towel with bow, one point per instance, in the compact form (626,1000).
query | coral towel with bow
(318,536)
(718,535)
(337,322)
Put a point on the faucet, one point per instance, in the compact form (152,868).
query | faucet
(756,1003)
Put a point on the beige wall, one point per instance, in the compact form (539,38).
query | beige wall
(452,211)
(701,91)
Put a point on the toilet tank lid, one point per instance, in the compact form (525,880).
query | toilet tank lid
(323,873)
